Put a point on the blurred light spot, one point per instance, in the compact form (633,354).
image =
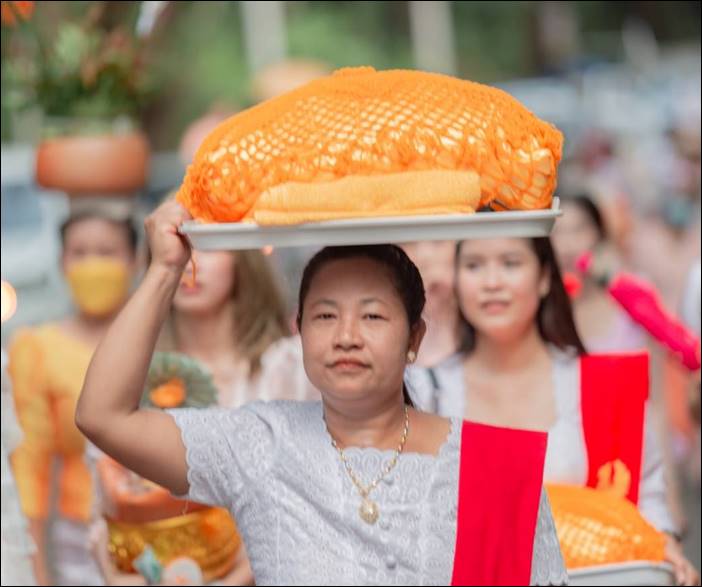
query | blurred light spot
(9,301)
(267,250)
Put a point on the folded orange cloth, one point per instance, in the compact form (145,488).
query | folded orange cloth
(395,194)
(364,124)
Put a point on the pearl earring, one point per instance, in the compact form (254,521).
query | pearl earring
(411,356)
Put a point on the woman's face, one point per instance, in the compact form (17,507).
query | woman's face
(573,235)
(214,283)
(97,237)
(500,285)
(98,263)
(355,333)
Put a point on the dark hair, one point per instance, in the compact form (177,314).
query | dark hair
(404,274)
(587,205)
(555,314)
(125,224)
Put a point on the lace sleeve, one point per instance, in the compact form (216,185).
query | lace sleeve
(228,451)
(547,567)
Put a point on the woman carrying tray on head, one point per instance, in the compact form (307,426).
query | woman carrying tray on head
(360,488)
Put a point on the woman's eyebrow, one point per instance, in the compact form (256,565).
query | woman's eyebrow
(365,301)
(471,257)
(324,302)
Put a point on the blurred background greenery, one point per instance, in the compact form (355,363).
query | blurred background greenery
(196,54)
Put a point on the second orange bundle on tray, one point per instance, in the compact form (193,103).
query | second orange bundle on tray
(362,143)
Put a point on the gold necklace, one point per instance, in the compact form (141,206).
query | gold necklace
(369,510)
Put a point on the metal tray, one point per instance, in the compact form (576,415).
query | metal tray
(631,573)
(241,235)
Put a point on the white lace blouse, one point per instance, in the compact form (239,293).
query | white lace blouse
(273,466)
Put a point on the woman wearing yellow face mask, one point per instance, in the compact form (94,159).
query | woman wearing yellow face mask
(47,366)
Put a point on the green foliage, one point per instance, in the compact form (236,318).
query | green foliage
(75,67)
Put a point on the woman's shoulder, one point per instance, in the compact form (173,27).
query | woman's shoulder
(289,422)
(444,381)
(257,423)
(452,362)
(434,433)
(53,336)
(446,371)
(565,355)
(35,334)
(29,344)
(291,411)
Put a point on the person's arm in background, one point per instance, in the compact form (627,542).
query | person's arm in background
(641,301)
(32,460)
(653,504)
(690,312)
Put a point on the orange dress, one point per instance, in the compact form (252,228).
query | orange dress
(47,368)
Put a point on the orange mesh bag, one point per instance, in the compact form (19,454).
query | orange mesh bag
(365,143)
(598,528)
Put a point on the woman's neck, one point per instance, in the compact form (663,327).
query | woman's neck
(595,314)
(511,384)
(364,425)
(208,336)
(512,356)
(439,342)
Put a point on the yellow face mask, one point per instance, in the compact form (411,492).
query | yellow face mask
(99,285)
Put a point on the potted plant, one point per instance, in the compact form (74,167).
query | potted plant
(90,81)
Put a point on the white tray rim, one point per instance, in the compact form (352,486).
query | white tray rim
(242,235)
(627,573)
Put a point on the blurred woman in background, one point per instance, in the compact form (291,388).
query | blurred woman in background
(47,366)
(522,364)
(601,323)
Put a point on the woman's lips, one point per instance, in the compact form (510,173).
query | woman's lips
(494,306)
(348,365)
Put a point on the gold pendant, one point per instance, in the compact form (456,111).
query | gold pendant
(369,511)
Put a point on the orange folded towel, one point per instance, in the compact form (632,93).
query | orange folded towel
(395,194)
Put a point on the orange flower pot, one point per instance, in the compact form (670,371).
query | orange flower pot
(94,164)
